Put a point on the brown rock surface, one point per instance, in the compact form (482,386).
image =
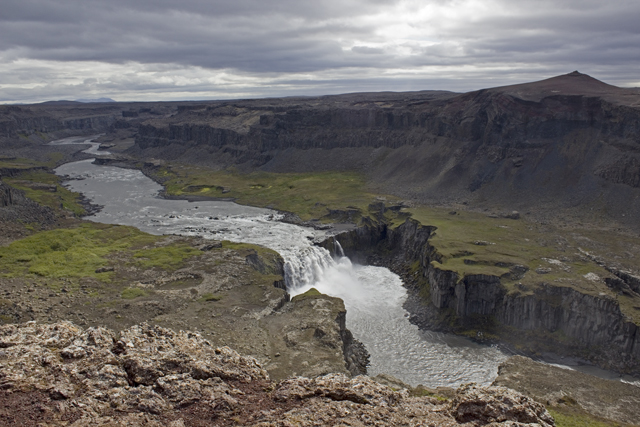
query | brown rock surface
(560,387)
(59,374)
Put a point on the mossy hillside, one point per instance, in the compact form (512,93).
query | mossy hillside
(18,164)
(309,195)
(165,257)
(83,250)
(473,243)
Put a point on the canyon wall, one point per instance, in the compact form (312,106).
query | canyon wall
(569,145)
(7,195)
(19,120)
(549,318)
(562,147)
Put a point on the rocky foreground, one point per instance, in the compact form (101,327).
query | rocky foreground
(62,375)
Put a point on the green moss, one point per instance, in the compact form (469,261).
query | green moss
(20,163)
(210,297)
(165,257)
(569,417)
(311,293)
(309,195)
(131,293)
(246,247)
(70,252)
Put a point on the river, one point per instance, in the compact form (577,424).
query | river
(373,296)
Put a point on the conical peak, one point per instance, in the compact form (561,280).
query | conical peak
(574,83)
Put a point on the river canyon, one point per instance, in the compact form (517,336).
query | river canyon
(373,296)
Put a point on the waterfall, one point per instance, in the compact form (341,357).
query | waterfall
(313,266)
(306,267)
(338,247)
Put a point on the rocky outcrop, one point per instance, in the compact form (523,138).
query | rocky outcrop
(562,387)
(7,195)
(61,375)
(313,339)
(232,294)
(15,206)
(625,170)
(552,318)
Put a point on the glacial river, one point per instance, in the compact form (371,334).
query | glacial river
(373,296)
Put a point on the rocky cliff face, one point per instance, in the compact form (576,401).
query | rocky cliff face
(27,120)
(571,141)
(7,195)
(551,318)
(14,206)
(59,374)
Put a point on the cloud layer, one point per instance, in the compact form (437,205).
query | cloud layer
(160,49)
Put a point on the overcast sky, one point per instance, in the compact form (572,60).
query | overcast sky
(212,49)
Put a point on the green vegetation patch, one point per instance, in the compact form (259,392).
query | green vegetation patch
(210,297)
(79,252)
(165,257)
(44,188)
(313,292)
(23,163)
(20,163)
(567,417)
(474,243)
(309,195)
(131,293)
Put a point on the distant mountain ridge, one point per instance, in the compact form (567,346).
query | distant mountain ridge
(563,146)
(568,143)
(94,100)
(78,101)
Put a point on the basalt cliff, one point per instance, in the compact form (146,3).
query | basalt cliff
(566,146)
(545,317)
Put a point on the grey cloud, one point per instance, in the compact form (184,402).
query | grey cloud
(367,50)
(273,41)
(265,38)
(281,36)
